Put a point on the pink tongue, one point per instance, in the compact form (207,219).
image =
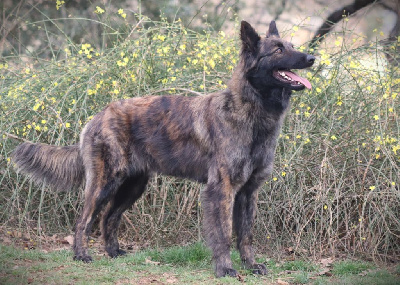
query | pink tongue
(295,77)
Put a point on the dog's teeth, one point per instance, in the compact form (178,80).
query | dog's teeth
(283,74)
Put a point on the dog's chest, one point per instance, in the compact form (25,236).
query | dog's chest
(265,137)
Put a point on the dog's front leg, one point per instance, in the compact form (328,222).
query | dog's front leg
(244,213)
(217,203)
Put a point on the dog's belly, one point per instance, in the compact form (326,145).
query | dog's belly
(184,162)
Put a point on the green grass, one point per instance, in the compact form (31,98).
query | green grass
(381,277)
(350,267)
(179,265)
(196,254)
(299,265)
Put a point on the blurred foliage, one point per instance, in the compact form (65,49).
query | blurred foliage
(42,28)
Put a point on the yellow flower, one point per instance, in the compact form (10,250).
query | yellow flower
(59,4)
(325,207)
(99,10)
(333,137)
(121,12)
(283,173)
(211,62)
(372,188)
(161,37)
(36,107)
(67,125)
(376,117)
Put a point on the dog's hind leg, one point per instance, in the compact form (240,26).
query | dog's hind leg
(244,213)
(105,173)
(127,194)
(97,196)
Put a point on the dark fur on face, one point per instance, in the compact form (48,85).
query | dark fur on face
(226,140)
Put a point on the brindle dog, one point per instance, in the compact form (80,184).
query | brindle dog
(225,139)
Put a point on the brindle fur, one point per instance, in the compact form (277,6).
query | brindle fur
(225,139)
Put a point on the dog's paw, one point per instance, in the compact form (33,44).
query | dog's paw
(116,253)
(225,271)
(258,268)
(84,258)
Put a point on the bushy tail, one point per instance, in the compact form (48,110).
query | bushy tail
(60,167)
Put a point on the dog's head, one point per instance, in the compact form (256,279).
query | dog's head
(269,60)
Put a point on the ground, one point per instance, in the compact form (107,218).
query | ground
(48,260)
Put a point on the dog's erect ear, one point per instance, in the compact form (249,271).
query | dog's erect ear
(272,31)
(249,37)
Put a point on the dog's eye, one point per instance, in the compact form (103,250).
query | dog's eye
(279,50)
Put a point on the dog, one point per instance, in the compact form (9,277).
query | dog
(226,140)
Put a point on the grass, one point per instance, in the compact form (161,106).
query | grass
(350,267)
(299,265)
(335,185)
(177,265)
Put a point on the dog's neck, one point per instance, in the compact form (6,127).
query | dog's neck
(272,100)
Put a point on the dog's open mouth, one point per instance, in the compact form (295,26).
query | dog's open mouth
(291,78)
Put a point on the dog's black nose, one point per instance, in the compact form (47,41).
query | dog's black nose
(310,58)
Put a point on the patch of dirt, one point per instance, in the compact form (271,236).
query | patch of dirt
(27,240)
(148,278)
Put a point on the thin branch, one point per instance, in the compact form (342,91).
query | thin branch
(11,136)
